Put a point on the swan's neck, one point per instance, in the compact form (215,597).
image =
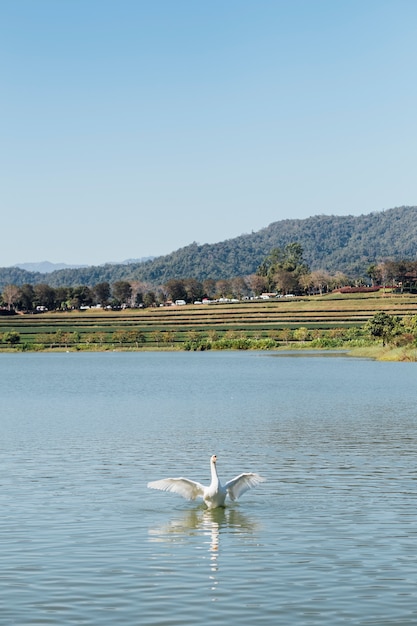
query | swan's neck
(214,477)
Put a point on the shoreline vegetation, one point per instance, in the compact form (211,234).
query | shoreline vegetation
(380,326)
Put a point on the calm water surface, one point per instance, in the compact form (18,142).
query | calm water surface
(330,538)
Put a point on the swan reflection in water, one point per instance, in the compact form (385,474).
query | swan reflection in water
(208,523)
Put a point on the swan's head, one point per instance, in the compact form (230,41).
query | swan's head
(213,459)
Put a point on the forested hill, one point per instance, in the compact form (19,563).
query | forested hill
(335,243)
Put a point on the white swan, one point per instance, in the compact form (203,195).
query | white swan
(215,494)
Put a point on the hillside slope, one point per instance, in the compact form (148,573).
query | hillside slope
(334,243)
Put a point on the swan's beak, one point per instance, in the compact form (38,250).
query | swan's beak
(214,458)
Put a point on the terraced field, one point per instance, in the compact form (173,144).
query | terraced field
(172,326)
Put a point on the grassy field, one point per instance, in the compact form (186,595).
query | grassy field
(268,324)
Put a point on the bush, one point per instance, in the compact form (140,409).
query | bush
(197,346)
(11,337)
(326,342)
(406,339)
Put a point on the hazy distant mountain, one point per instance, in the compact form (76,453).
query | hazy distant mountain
(45,267)
(335,243)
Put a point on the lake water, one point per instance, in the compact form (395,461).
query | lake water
(330,538)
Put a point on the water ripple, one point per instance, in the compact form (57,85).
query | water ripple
(329,539)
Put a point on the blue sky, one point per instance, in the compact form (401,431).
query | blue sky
(131,128)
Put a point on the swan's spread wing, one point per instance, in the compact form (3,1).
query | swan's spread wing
(186,488)
(237,486)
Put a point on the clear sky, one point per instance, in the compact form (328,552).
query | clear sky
(131,128)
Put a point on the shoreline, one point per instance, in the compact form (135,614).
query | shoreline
(375,353)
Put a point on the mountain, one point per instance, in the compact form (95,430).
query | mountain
(45,267)
(347,244)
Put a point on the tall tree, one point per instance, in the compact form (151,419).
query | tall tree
(27,296)
(45,296)
(63,297)
(209,287)
(223,288)
(239,287)
(320,280)
(282,262)
(194,289)
(176,289)
(11,295)
(285,281)
(122,291)
(102,293)
(138,289)
(149,298)
(257,284)
(81,296)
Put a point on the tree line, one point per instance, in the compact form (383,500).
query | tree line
(121,294)
(282,272)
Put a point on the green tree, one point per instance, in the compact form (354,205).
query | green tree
(293,258)
(382,325)
(63,297)
(209,287)
(149,299)
(410,323)
(12,337)
(374,274)
(45,296)
(194,289)
(176,289)
(122,291)
(27,296)
(283,267)
(81,296)
(101,293)
(301,334)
